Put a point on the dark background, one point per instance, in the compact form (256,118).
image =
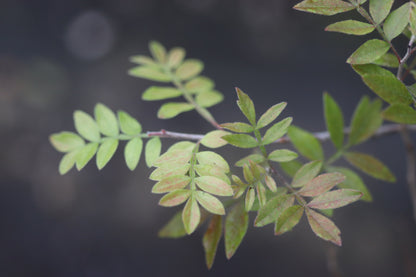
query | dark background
(59,56)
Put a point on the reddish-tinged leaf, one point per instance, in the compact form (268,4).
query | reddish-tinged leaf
(246,106)
(171,183)
(236,224)
(324,7)
(321,184)
(273,209)
(210,203)
(214,185)
(175,198)
(351,27)
(270,115)
(191,215)
(288,219)
(211,239)
(323,227)
(238,127)
(306,173)
(370,165)
(335,199)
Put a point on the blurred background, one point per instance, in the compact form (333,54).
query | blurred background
(57,56)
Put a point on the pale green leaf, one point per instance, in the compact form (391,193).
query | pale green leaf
(132,152)
(86,126)
(379,9)
(106,120)
(277,131)
(241,140)
(370,165)
(160,93)
(199,84)
(323,227)
(321,184)
(288,219)
(238,127)
(211,239)
(400,113)
(128,124)
(324,7)
(106,151)
(170,110)
(236,224)
(191,215)
(210,203)
(171,183)
(175,198)
(214,139)
(306,143)
(396,21)
(189,69)
(85,154)
(246,106)
(270,115)
(149,73)
(175,57)
(370,51)
(214,185)
(334,120)
(335,199)
(306,173)
(152,150)
(282,155)
(158,51)
(208,99)
(66,141)
(351,27)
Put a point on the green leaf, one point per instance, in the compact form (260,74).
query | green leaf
(323,227)
(189,69)
(282,155)
(352,181)
(210,203)
(132,152)
(144,60)
(270,115)
(321,184)
(214,139)
(66,141)
(67,162)
(208,99)
(174,228)
(351,27)
(238,127)
(250,197)
(106,120)
(324,7)
(241,140)
(106,151)
(236,224)
(400,113)
(158,51)
(379,9)
(170,110)
(387,60)
(288,219)
(273,209)
(169,170)
(86,126)
(306,173)
(128,124)
(211,239)
(199,84)
(370,51)
(212,158)
(246,106)
(370,165)
(256,158)
(306,143)
(175,198)
(335,199)
(277,131)
(396,21)
(214,185)
(152,150)
(365,121)
(171,183)
(191,215)
(149,73)
(160,93)
(85,154)
(334,120)
(175,57)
